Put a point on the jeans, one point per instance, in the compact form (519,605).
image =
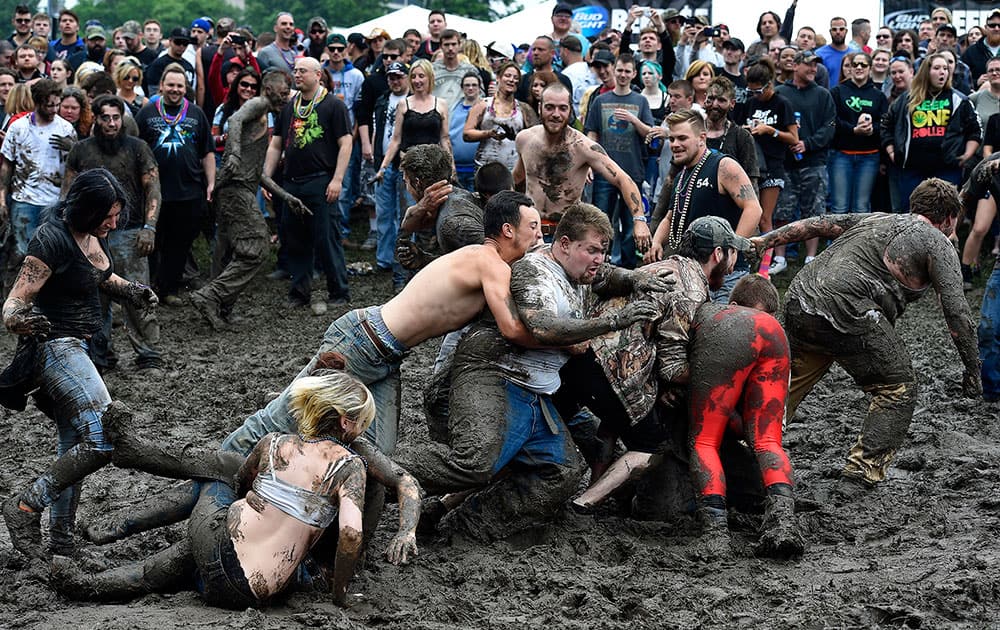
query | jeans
(608,198)
(387,216)
(317,233)
(25,218)
(467,180)
(852,178)
(350,188)
(220,578)
(379,373)
(910,178)
(141,326)
(180,222)
(989,337)
(72,393)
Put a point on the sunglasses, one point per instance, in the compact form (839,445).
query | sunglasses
(132,77)
(23,20)
(757,91)
(389,57)
(248,85)
(336,48)
(883,36)
(317,32)
(859,64)
(993,25)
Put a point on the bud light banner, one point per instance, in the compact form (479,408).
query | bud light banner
(900,14)
(592,20)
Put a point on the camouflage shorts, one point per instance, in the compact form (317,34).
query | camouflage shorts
(804,194)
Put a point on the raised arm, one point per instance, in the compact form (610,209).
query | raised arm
(826,226)
(403,545)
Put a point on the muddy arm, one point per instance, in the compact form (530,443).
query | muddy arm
(17,314)
(352,501)
(826,226)
(612,281)
(403,546)
(946,277)
(251,467)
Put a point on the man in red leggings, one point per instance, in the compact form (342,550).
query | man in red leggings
(739,382)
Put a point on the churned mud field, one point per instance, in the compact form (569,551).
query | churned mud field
(922,551)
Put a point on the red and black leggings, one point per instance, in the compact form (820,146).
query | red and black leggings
(739,381)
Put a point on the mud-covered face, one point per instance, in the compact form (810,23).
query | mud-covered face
(582,259)
(725,262)
(109,122)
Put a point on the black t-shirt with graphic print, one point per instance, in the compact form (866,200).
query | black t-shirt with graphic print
(310,143)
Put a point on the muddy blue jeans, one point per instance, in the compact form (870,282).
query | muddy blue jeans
(24,217)
(72,393)
(989,337)
(220,577)
(364,361)
(609,199)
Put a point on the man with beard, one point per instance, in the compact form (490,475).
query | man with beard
(502,417)
(843,307)
(180,38)
(94,39)
(243,236)
(707,183)
(554,161)
(742,389)
(833,53)
(132,163)
(179,134)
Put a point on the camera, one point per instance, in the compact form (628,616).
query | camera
(713,31)
(237,40)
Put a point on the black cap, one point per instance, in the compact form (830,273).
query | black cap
(358,40)
(397,67)
(180,33)
(562,7)
(603,57)
(734,43)
(949,28)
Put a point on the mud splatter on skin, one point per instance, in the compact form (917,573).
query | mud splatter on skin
(233,523)
(554,175)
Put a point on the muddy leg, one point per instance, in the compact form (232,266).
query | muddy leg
(168,507)
(166,571)
(628,467)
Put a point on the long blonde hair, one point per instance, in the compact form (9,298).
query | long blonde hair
(920,87)
(428,69)
(474,53)
(318,402)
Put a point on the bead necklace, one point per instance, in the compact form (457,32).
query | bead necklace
(492,109)
(172,120)
(330,438)
(305,112)
(677,219)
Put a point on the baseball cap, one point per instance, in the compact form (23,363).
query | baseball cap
(603,57)
(734,43)
(336,38)
(805,56)
(493,53)
(379,32)
(716,232)
(180,33)
(358,40)
(130,29)
(947,27)
(320,21)
(397,67)
(202,23)
(671,13)
(702,18)
(95,31)
(562,8)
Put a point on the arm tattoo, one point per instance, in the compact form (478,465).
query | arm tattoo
(746,193)
(598,148)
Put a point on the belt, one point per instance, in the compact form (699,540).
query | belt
(373,337)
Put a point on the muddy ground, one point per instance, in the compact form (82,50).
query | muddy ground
(921,551)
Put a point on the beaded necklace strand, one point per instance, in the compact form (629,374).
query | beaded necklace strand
(677,219)
(305,112)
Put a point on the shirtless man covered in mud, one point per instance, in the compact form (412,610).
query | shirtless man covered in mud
(502,417)
(843,308)
(243,235)
(554,161)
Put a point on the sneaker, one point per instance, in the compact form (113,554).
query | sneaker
(318,307)
(809,259)
(778,265)
(370,243)
(208,309)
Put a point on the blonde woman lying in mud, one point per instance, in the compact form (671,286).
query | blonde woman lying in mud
(241,552)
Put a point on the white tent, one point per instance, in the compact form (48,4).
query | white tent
(521,27)
(411,16)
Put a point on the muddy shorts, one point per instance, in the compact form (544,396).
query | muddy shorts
(804,194)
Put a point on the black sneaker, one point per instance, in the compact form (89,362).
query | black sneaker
(24,528)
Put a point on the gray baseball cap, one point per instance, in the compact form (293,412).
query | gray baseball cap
(715,232)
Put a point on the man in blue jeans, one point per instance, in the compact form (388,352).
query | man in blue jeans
(314,132)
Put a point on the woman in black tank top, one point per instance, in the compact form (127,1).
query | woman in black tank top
(421,118)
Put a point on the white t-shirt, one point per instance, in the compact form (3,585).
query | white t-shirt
(38,166)
(390,118)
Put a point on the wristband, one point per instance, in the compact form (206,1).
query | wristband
(776,132)
(149,227)
(641,218)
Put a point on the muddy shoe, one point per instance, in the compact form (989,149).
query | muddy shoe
(24,528)
(432,510)
(118,421)
(715,542)
(780,536)
(208,310)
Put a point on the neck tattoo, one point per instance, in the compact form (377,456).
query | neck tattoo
(680,209)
